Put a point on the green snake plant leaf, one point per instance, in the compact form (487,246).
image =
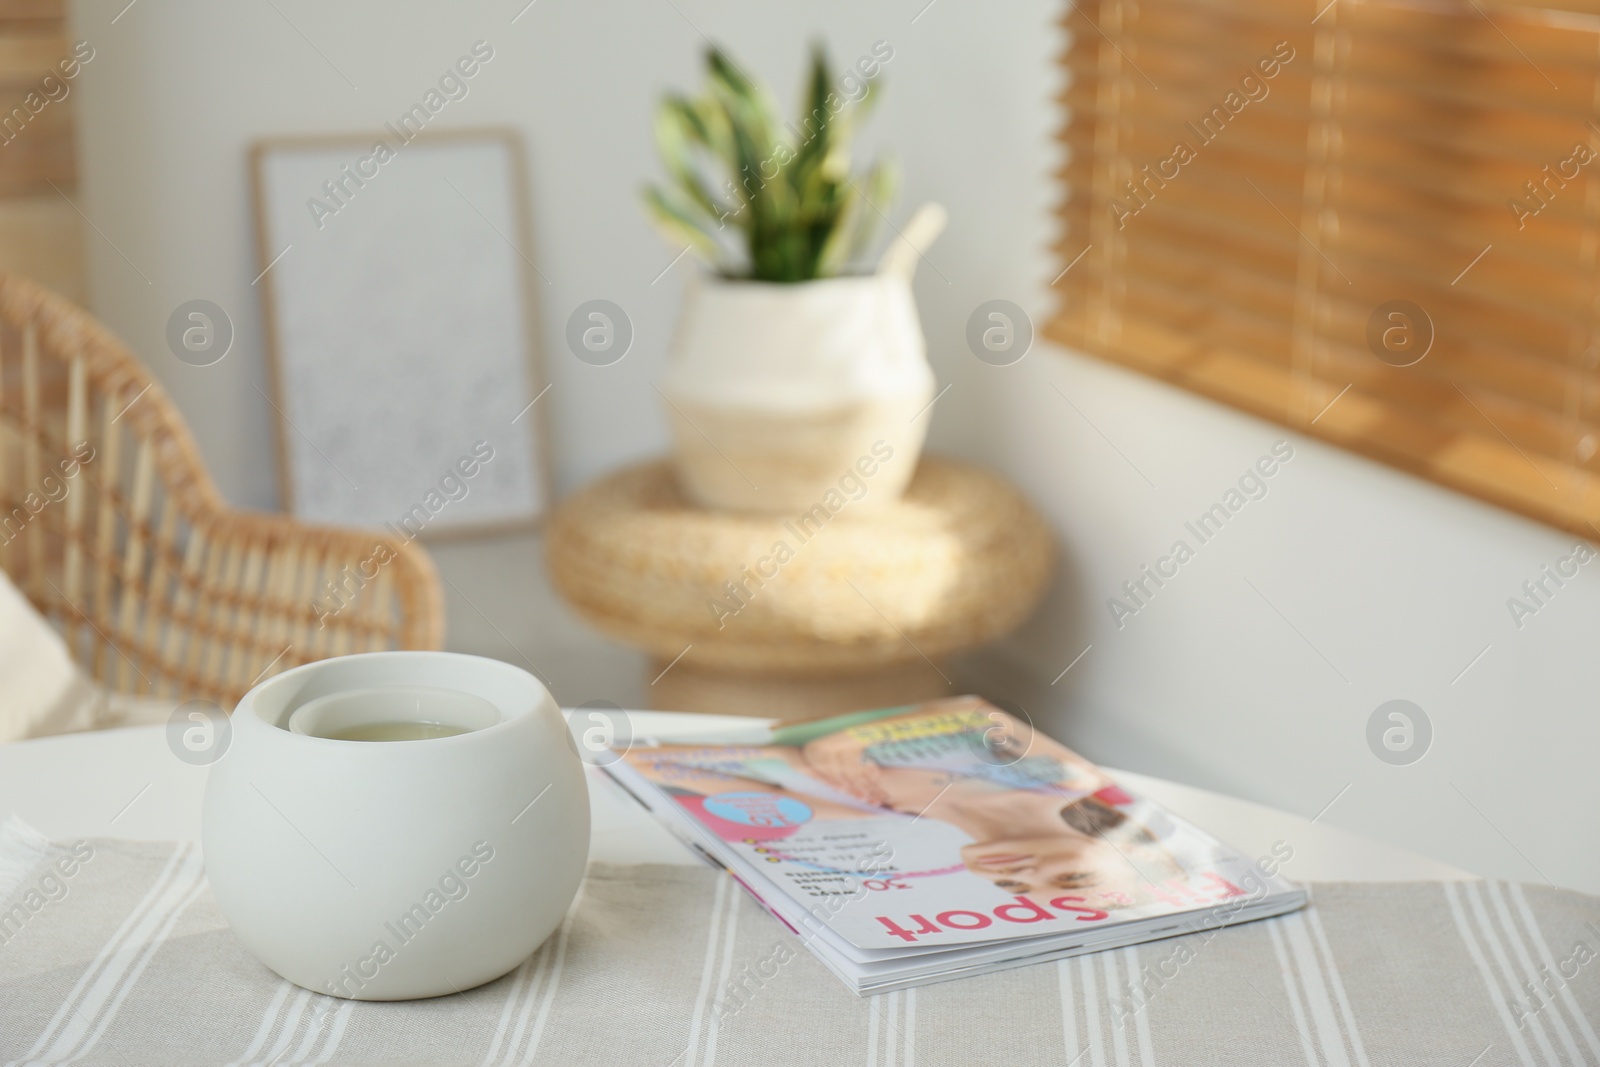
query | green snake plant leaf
(879,190)
(815,125)
(834,255)
(786,203)
(680,227)
(680,136)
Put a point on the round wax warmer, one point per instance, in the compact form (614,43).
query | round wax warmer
(395,870)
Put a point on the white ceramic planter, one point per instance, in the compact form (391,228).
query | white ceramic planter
(776,392)
(388,870)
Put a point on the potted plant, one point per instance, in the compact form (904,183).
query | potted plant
(791,368)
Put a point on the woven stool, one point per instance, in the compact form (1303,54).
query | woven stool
(852,604)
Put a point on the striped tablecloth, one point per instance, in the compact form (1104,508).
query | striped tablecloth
(127,961)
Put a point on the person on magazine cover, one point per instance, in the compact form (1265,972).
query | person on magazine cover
(1040,818)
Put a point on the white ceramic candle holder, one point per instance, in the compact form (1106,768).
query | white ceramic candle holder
(389,870)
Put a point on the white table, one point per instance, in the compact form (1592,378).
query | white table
(128,784)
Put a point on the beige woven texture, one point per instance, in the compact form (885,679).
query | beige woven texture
(959,560)
(783,456)
(162,589)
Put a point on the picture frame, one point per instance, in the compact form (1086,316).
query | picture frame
(398,297)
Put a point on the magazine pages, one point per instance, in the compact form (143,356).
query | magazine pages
(915,844)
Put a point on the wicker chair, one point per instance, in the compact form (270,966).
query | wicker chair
(112,527)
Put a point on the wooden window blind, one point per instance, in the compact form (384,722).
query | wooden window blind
(40,229)
(1375,222)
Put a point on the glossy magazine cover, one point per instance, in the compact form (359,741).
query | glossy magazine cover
(939,825)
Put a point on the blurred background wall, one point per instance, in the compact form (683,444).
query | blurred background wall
(1254,671)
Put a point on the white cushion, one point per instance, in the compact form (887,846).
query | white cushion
(41,690)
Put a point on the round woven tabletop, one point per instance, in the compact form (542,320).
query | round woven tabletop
(959,560)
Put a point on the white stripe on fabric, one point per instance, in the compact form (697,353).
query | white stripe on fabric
(513,998)
(268,1018)
(312,1017)
(341,1020)
(911,1029)
(1318,1003)
(892,1030)
(130,955)
(1091,1012)
(531,993)
(1286,970)
(1314,921)
(1519,947)
(1473,892)
(872,1030)
(713,1031)
(529,996)
(536,976)
(1141,1022)
(291,1026)
(1475,951)
(1069,1010)
(1119,1032)
(66,1012)
(106,994)
(157,939)
(317,1015)
(717,903)
(553,982)
(1549,961)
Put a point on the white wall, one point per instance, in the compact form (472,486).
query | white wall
(179,89)
(1397,583)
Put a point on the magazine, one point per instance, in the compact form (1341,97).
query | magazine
(923,843)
